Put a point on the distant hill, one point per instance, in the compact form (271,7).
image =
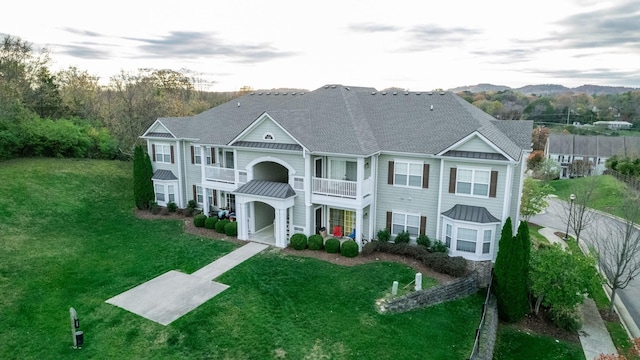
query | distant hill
(546,89)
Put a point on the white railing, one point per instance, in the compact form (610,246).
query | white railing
(215,173)
(331,187)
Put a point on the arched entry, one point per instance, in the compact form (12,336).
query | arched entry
(260,219)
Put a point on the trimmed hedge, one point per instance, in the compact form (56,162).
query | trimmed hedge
(402,238)
(437,261)
(220,225)
(231,228)
(199,220)
(210,223)
(315,242)
(349,248)
(298,241)
(332,245)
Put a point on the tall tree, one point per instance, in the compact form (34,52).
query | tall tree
(619,249)
(577,212)
(142,174)
(533,200)
(510,277)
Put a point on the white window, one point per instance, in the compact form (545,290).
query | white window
(473,182)
(207,152)
(199,195)
(197,157)
(163,153)
(298,183)
(226,159)
(159,193)
(165,192)
(405,222)
(469,240)
(209,196)
(407,174)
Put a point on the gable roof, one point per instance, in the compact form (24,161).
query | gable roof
(600,146)
(358,121)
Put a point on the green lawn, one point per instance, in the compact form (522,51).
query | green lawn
(68,238)
(606,197)
(514,344)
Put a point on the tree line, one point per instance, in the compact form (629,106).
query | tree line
(561,108)
(70,114)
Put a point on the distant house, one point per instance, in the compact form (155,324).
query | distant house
(581,155)
(614,125)
(347,162)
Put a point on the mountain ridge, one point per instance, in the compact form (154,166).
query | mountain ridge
(546,89)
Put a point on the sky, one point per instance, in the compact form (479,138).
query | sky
(414,45)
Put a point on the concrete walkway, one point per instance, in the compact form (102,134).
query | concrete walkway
(173,294)
(594,336)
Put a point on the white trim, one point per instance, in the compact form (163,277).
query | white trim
(471,136)
(165,191)
(259,120)
(478,255)
(157,122)
(473,176)
(439,211)
(409,163)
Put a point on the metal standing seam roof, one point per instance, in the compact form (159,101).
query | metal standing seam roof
(163,175)
(358,121)
(270,189)
(268,145)
(476,214)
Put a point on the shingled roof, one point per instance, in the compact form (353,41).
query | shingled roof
(600,146)
(358,121)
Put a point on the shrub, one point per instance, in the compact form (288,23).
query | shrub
(210,223)
(402,238)
(199,220)
(424,241)
(384,235)
(231,228)
(439,247)
(370,247)
(220,224)
(349,248)
(188,211)
(298,241)
(192,204)
(332,245)
(315,242)
(443,263)
(565,318)
(153,207)
(172,207)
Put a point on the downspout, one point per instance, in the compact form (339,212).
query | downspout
(439,211)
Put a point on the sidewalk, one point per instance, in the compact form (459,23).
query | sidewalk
(173,294)
(594,336)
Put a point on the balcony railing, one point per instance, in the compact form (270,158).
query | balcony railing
(331,187)
(215,173)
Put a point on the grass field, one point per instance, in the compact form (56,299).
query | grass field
(514,344)
(68,238)
(607,195)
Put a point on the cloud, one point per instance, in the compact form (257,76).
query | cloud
(427,37)
(602,75)
(190,44)
(373,27)
(82,32)
(92,51)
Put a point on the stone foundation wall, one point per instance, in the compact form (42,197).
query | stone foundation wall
(448,291)
(484,269)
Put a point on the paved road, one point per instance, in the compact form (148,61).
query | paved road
(555,217)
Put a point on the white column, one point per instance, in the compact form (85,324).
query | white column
(280,228)
(241,218)
(359,213)
(359,177)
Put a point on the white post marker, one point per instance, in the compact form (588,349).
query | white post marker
(394,288)
(418,281)
(75,324)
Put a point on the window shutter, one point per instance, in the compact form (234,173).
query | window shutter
(215,197)
(390,175)
(153,152)
(172,154)
(213,156)
(493,184)
(423,225)
(389,215)
(195,193)
(193,155)
(452,180)
(425,176)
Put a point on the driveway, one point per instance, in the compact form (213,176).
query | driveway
(555,217)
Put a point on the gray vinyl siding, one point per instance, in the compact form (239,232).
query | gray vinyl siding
(407,199)
(298,212)
(192,172)
(494,205)
(515,199)
(268,126)
(476,144)
(264,215)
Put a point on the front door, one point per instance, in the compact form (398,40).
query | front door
(319,222)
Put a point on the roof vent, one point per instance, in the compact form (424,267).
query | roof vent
(326,86)
(260,93)
(431,107)
(395,93)
(302,93)
(293,93)
(346,88)
(384,93)
(284,93)
(406,93)
(238,103)
(269,93)
(418,93)
(373,93)
(276,93)
(253,93)
(430,93)
(441,92)
(333,86)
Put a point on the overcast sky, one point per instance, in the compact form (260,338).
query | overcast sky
(416,45)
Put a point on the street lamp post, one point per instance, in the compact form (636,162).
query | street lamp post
(572,199)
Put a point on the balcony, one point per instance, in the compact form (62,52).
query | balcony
(340,188)
(220,174)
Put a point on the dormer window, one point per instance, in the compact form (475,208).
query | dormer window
(268,137)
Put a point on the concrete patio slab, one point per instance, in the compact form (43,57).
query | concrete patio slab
(168,296)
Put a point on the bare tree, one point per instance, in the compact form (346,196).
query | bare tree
(576,211)
(619,249)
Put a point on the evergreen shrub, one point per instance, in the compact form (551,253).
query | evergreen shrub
(298,241)
(220,224)
(199,220)
(315,242)
(402,238)
(349,249)
(332,245)
(210,223)
(231,228)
